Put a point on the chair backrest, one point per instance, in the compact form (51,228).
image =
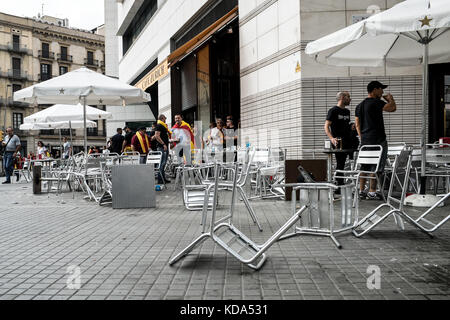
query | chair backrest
(369,155)
(394,149)
(261,155)
(438,154)
(130,158)
(154,158)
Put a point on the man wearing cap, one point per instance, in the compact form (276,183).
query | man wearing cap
(141,143)
(370,126)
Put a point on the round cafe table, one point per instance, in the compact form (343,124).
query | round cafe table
(329,153)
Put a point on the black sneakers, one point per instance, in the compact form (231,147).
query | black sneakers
(6,182)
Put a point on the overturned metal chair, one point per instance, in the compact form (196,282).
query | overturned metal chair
(394,206)
(194,190)
(230,238)
(240,172)
(438,161)
(319,219)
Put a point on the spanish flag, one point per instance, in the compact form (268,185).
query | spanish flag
(185,126)
(145,145)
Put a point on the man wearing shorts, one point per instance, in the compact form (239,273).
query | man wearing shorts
(370,126)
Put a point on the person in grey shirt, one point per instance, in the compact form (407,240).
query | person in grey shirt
(67,149)
(12,146)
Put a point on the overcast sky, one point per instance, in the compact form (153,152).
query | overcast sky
(84,14)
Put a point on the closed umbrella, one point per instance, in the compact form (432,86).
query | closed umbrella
(411,33)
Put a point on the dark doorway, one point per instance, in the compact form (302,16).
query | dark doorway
(153,91)
(439,88)
(225,75)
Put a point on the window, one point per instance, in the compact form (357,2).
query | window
(16,42)
(16,67)
(17,120)
(62,70)
(46,71)
(64,53)
(45,50)
(16,87)
(145,12)
(90,57)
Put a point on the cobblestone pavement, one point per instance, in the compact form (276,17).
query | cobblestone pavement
(124,254)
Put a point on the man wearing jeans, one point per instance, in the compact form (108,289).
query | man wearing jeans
(12,146)
(162,137)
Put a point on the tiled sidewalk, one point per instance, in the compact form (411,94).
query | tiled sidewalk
(124,254)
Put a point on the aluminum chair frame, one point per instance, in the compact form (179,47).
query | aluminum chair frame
(230,238)
(439,159)
(319,218)
(242,173)
(366,156)
(371,220)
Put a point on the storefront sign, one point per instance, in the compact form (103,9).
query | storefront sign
(153,76)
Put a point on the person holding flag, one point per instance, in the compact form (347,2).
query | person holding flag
(141,143)
(183,140)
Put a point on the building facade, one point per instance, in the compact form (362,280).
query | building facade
(245,58)
(37,49)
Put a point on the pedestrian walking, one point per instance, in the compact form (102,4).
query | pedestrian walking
(370,126)
(12,146)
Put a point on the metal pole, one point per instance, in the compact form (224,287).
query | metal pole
(6,108)
(424,111)
(71,142)
(60,144)
(85,126)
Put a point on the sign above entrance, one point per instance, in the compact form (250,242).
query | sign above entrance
(159,72)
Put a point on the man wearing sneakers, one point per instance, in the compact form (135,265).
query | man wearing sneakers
(370,126)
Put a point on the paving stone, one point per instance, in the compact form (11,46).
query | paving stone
(124,254)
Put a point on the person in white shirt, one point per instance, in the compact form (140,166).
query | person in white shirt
(41,151)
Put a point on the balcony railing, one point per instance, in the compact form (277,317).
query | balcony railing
(90,62)
(44,77)
(17,74)
(64,57)
(16,48)
(49,55)
(17,104)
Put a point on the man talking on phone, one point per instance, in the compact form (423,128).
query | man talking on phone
(370,126)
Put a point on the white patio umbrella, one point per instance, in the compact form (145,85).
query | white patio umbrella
(411,33)
(82,86)
(63,112)
(58,125)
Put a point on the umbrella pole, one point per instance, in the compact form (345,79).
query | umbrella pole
(423,184)
(85,127)
(60,145)
(71,142)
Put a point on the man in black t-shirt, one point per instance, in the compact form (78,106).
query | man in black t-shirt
(370,126)
(337,126)
(129,134)
(117,142)
(162,137)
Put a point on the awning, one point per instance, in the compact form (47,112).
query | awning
(201,38)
